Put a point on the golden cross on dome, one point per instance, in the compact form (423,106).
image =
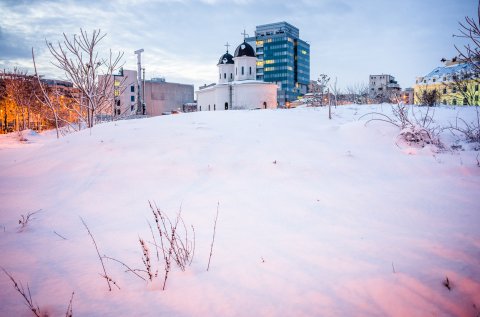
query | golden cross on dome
(227,45)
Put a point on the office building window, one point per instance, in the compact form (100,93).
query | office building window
(132,88)
(132,98)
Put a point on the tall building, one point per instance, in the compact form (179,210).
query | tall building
(282,58)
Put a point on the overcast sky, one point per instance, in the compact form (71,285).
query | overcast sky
(183,39)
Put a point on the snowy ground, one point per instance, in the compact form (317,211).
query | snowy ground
(316,217)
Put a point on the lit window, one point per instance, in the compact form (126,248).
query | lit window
(304,52)
(269,61)
(116,83)
(260,64)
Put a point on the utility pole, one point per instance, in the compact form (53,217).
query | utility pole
(140,108)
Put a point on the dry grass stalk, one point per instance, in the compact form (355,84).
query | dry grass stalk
(69,312)
(213,238)
(146,259)
(175,244)
(105,275)
(126,266)
(25,219)
(27,296)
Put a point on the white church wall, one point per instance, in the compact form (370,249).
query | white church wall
(249,68)
(205,99)
(255,96)
(225,72)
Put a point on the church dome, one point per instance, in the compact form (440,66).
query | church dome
(226,59)
(245,49)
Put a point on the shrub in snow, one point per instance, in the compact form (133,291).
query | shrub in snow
(416,127)
(469,130)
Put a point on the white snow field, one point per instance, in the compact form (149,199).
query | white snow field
(317,217)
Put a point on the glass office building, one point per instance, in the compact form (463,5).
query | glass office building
(282,58)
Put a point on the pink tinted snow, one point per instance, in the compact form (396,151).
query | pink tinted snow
(317,217)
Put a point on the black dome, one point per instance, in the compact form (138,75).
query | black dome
(226,59)
(245,49)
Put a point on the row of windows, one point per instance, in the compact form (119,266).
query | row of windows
(278,60)
(225,76)
(272,47)
(465,101)
(277,39)
(280,53)
(454,89)
(279,75)
(272,68)
(236,72)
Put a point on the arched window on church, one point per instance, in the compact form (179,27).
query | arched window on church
(219,76)
(208,107)
(250,70)
(265,104)
(224,75)
(243,72)
(236,71)
(231,76)
(214,107)
(226,106)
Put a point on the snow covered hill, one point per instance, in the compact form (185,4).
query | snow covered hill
(317,217)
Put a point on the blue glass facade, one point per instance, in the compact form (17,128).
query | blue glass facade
(282,58)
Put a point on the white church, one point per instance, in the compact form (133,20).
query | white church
(237,86)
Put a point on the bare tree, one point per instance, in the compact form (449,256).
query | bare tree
(470,30)
(45,99)
(358,93)
(319,89)
(462,87)
(427,97)
(18,90)
(79,58)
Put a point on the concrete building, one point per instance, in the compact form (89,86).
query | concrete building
(160,96)
(381,86)
(237,86)
(282,58)
(163,97)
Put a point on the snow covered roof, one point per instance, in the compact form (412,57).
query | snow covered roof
(446,71)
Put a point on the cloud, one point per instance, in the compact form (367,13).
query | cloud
(12,45)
